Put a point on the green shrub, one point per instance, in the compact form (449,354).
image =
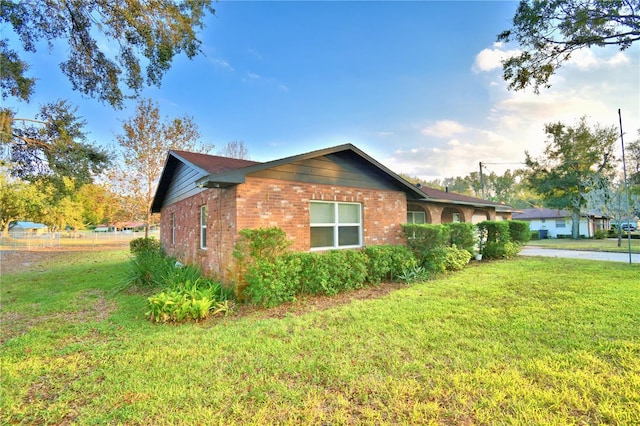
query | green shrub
(352,269)
(435,260)
(511,250)
(187,301)
(149,268)
(254,245)
(600,234)
(145,245)
(261,243)
(315,274)
(427,242)
(456,258)
(271,282)
(493,235)
(519,231)
(386,262)
(461,234)
(494,250)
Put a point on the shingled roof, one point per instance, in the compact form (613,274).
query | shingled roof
(221,172)
(213,164)
(439,195)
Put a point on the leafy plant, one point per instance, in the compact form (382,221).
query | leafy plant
(456,259)
(414,274)
(519,231)
(600,234)
(145,245)
(386,262)
(461,234)
(191,300)
(271,282)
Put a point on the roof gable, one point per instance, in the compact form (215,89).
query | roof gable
(343,165)
(347,155)
(190,166)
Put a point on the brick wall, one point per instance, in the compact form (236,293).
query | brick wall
(263,203)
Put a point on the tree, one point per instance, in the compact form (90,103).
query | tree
(53,146)
(100,204)
(632,155)
(19,200)
(571,159)
(609,197)
(145,142)
(549,31)
(235,149)
(108,42)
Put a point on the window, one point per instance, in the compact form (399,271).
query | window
(203,227)
(456,217)
(560,223)
(173,228)
(416,217)
(335,225)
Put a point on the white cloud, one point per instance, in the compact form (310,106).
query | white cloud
(443,129)
(491,59)
(586,59)
(221,63)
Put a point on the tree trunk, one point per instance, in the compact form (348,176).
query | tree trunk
(575,224)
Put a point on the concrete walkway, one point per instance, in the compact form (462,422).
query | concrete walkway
(579,254)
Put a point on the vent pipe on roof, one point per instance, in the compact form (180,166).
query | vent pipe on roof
(446,189)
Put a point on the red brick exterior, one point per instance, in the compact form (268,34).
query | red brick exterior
(261,203)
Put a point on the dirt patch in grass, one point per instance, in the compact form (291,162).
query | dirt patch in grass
(12,261)
(17,323)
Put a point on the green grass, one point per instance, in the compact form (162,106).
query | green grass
(608,244)
(530,341)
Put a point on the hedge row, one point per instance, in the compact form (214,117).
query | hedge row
(272,281)
(502,239)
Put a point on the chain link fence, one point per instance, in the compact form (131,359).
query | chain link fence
(31,241)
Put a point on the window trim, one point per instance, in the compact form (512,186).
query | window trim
(413,214)
(203,227)
(336,225)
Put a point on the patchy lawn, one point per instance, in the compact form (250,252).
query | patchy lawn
(608,244)
(530,341)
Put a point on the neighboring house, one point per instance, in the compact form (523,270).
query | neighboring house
(554,223)
(21,229)
(337,197)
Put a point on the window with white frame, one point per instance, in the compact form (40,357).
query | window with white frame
(173,228)
(335,225)
(203,227)
(560,223)
(456,217)
(416,217)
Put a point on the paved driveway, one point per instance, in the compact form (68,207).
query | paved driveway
(578,254)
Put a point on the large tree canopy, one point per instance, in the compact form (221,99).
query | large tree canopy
(572,158)
(109,43)
(53,146)
(549,31)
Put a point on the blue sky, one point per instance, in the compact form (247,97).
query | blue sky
(417,85)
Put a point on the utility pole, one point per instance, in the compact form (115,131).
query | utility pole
(481,180)
(624,168)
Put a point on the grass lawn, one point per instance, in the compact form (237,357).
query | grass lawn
(608,244)
(530,341)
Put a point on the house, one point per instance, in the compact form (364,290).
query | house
(21,229)
(555,223)
(337,197)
